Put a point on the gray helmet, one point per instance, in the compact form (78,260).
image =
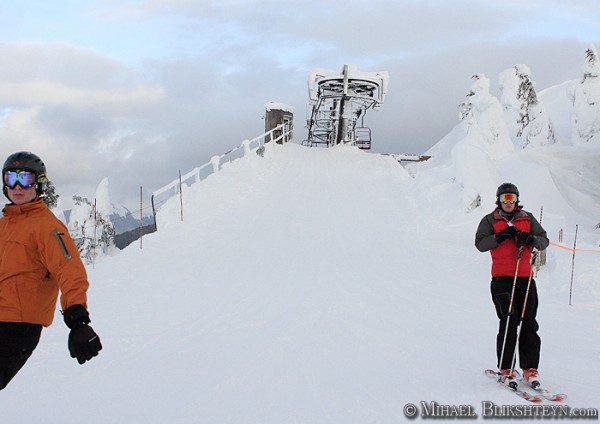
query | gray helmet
(26,161)
(507,188)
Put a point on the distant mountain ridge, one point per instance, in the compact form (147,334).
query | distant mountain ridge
(121,222)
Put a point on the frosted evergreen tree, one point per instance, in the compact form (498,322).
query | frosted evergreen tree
(91,231)
(50,195)
(486,139)
(586,101)
(530,124)
(483,120)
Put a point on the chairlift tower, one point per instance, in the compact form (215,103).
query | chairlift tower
(338,101)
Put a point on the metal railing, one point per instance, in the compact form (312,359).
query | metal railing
(280,134)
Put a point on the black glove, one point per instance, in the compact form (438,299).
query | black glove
(508,233)
(84,343)
(526,238)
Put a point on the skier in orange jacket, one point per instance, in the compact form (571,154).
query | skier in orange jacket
(38,259)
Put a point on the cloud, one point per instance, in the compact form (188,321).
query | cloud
(149,88)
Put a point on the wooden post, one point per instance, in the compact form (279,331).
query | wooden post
(180,196)
(95,234)
(540,259)
(141,219)
(573,265)
(154,213)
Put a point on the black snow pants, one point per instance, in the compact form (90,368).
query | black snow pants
(529,341)
(17,342)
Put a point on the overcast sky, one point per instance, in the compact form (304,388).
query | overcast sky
(138,90)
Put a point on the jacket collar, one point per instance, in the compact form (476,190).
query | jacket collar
(517,214)
(13,210)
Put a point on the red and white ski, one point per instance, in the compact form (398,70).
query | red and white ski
(512,385)
(546,394)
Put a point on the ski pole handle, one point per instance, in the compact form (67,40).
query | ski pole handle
(534,254)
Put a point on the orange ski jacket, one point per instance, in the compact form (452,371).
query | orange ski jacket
(37,259)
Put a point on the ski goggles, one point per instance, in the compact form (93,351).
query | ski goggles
(508,198)
(25,179)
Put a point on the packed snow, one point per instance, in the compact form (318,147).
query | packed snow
(332,286)
(312,285)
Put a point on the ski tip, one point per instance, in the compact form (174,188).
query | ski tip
(490,372)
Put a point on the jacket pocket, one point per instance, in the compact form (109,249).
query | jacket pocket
(16,258)
(10,308)
(38,300)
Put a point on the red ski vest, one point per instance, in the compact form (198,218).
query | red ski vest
(504,257)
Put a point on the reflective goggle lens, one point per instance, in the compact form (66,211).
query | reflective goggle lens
(508,198)
(25,179)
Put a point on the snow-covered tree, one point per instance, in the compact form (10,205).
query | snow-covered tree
(486,140)
(103,202)
(91,231)
(530,124)
(482,117)
(50,195)
(586,101)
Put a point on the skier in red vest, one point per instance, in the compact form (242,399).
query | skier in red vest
(510,234)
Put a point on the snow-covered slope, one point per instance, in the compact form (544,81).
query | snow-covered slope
(313,286)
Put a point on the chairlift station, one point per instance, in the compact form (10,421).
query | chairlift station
(338,103)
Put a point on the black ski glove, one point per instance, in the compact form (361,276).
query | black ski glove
(526,238)
(508,233)
(84,343)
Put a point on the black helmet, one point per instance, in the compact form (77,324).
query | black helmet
(26,161)
(507,188)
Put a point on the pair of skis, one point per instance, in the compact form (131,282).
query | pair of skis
(511,384)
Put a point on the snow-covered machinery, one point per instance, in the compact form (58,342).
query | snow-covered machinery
(338,101)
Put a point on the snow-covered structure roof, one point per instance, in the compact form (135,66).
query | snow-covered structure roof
(320,76)
(279,106)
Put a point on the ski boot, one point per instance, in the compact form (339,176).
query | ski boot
(531,377)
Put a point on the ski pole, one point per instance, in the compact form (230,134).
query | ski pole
(520,326)
(510,305)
